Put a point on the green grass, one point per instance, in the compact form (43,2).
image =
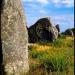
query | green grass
(56,58)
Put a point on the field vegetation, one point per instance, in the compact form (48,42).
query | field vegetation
(55,58)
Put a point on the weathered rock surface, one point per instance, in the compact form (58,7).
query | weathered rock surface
(14,38)
(58,28)
(54,32)
(73,30)
(69,32)
(42,30)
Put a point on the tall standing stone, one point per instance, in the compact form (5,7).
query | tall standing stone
(14,38)
(58,28)
(42,31)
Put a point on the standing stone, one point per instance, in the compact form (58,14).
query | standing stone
(14,38)
(58,28)
(39,31)
(42,31)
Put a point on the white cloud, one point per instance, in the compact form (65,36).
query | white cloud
(68,3)
(27,0)
(63,17)
(59,3)
(42,12)
(43,1)
(38,1)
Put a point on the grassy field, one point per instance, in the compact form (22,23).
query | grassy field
(55,58)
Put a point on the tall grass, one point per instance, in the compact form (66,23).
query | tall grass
(53,57)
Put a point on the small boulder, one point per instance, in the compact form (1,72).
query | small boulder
(69,32)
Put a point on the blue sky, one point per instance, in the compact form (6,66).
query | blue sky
(60,12)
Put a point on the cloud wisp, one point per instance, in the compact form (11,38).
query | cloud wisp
(57,3)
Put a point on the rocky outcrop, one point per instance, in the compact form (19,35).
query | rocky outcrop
(14,38)
(69,32)
(42,30)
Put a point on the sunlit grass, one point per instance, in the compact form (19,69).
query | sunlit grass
(53,57)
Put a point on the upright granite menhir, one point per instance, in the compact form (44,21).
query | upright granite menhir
(14,38)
